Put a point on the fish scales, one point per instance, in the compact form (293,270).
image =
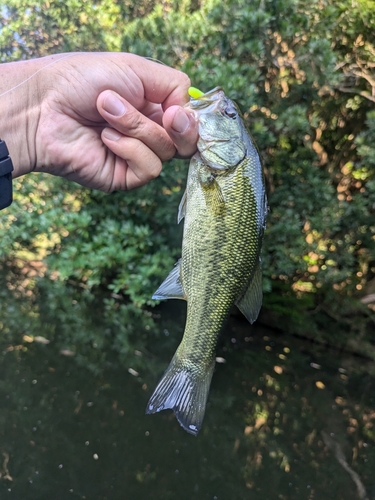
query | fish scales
(218,255)
(224,209)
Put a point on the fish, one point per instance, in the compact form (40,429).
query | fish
(224,209)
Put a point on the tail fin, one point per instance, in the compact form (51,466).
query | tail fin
(184,389)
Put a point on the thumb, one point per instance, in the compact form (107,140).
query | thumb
(182,128)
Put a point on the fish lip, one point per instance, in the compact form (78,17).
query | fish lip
(212,97)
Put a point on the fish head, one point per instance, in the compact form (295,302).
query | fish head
(220,127)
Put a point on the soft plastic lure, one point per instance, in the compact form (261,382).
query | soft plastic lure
(194,92)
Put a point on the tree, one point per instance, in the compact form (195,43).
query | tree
(302,73)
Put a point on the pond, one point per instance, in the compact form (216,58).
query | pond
(286,419)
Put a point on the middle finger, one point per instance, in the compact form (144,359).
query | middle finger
(122,116)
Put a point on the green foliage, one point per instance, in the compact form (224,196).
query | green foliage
(45,27)
(123,241)
(304,85)
(301,73)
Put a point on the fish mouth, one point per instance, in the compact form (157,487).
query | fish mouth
(211,98)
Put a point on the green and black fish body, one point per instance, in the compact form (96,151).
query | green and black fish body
(224,208)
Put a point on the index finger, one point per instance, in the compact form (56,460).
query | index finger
(162,84)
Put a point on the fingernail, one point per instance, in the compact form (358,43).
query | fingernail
(113,105)
(180,122)
(111,134)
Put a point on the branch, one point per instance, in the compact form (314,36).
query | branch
(353,90)
(340,457)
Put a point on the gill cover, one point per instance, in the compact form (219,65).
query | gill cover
(221,145)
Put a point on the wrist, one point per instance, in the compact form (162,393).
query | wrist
(6,168)
(19,109)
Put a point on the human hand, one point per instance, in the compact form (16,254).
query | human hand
(104,120)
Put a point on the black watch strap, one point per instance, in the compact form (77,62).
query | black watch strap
(6,168)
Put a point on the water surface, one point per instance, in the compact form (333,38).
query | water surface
(286,420)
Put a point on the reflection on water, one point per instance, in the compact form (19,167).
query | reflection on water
(285,420)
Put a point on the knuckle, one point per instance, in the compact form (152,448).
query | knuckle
(185,80)
(134,121)
(154,169)
(165,148)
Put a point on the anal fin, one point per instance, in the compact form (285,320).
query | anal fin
(171,288)
(251,301)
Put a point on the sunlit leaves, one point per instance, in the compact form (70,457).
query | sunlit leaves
(301,74)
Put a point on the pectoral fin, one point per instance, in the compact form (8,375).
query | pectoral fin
(171,288)
(218,197)
(251,302)
(214,196)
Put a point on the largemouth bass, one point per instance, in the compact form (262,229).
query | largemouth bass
(224,207)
